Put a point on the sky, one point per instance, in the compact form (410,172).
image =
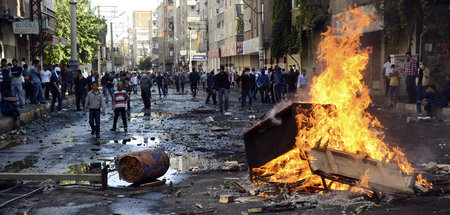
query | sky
(126,7)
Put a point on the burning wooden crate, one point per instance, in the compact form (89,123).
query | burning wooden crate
(276,136)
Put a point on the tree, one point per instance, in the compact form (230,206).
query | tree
(90,29)
(145,63)
(403,16)
(281,28)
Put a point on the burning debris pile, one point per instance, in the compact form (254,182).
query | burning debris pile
(332,143)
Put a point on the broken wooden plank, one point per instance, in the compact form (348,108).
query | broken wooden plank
(6,176)
(386,177)
(226,198)
(154,184)
(331,160)
(22,196)
(239,187)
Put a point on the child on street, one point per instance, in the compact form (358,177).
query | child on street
(119,103)
(95,104)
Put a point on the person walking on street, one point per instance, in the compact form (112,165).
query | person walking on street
(118,105)
(203,78)
(64,81)
(160,81)
(411,74)
(182,81)
(303,81)
(16,82)
(128,87)
(210,88)
(110,86)
(96,105)
(146,85)
(70,79)
(103,81)
(222,85)
(176,79)
(79,87)
(291,82)
(166,82)
(56,92)
(37,87)
(194,77)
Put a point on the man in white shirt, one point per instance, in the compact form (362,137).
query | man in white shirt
(45,78)
(387,72)
(134,81)
(303,80)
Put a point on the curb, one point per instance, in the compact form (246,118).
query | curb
(411,109)
(8,124)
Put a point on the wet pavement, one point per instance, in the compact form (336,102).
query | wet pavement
(198,140)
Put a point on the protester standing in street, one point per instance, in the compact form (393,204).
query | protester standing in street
(222,84)
(96,105)
(80,87)
(5,79)
(45,78)
(263,86)
(303,81)
(394,82)
(64,81)
(291,82)
(411,74)
(245,88)
(146,85)
(16,82)
(278,83)
(37,87)
(118,105)
(160,81)
(28,85)
(56,92)
(210,88)
(182,81)
(134,82)
(422,80)
(194,77)
(387,72)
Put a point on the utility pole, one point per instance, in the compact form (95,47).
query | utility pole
(190,50)
(260,35)
(73,63)
(112,48)
(164,34)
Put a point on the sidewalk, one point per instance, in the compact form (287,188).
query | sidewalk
(410,109)
(30,113)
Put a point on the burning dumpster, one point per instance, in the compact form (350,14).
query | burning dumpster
(143,166)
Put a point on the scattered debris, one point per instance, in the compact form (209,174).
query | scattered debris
(154,184)
(250,199)
(202,109)
(444,167)
(227,114)
(120,196)
(67,126)
(252,117)
(165,137)
(143,166)
(217,128)
(239,187)
(431,166)
(231,166)
(207,120)
(147,126)
(199,205)
(226,199)
(193,133)
(178,194)
(61,157)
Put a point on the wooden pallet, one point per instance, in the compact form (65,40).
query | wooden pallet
(349,168)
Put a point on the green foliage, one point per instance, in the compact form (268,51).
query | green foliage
(90,29)
(313,17)
(401,16)
(145,63)
(281,28)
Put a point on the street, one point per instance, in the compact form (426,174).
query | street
(61,143)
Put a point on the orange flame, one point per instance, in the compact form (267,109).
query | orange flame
(348,126)
(421,181)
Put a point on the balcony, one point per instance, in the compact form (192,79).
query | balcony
(191,2)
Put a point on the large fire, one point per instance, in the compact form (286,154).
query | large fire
(347,127)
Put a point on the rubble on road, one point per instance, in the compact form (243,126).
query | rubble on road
(217,128)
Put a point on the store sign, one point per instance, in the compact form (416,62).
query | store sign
(199,57)
(228,49)
(251,46)
(26,27)
(215,53)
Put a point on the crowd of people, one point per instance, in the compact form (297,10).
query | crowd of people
(419,86)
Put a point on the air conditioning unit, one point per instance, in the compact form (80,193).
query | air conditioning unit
(46,24)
